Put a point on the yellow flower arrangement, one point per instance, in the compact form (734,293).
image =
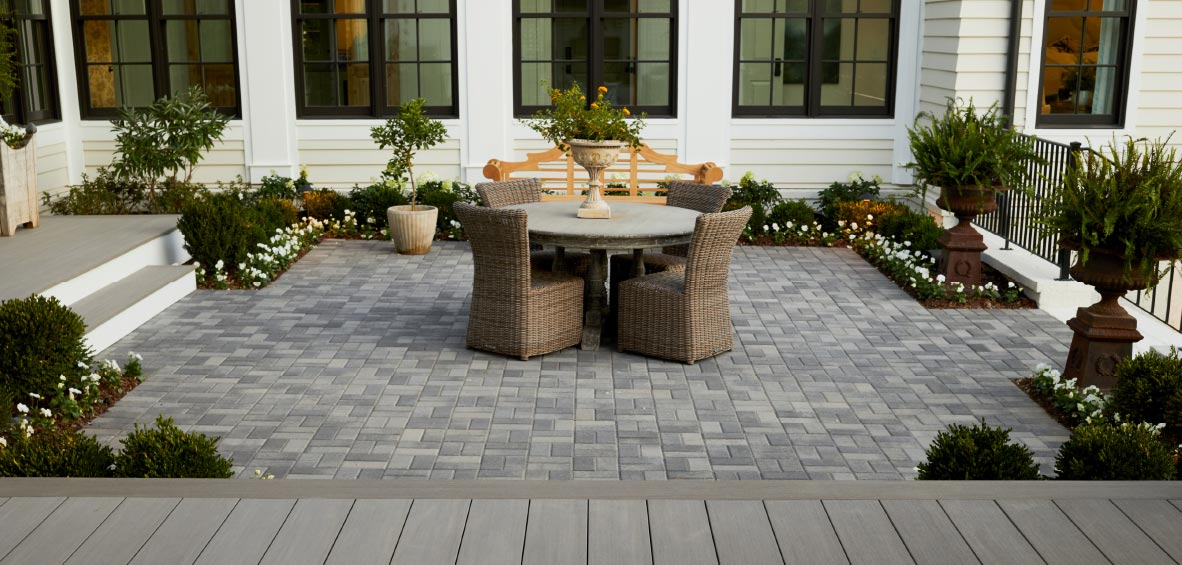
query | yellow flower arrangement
(570,117)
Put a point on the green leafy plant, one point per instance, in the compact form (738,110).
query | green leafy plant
(9,66)
(444,194)
(53,453)
(857,188)
(797,212)
(1115,452)
(906,225)
(979,452)
(166,138)
(373,200)
(1125,199)
(761,195)
(968,147)
(169,452)
(572,117)
(277,186)
(1149,389)
(406,133)
(327,204)
(40,341)
(221,227)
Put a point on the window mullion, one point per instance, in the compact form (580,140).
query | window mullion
(377,62)
(159,56)
(595,48)
(812,101)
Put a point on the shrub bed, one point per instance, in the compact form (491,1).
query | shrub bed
(979,452)
(1115,452)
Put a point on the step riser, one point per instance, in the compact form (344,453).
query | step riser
(168,249)
(114,329)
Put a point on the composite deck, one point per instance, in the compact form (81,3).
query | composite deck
(554,522)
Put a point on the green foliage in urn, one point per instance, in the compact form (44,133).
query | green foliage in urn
(572,117)
(966,146)
(1115,452)
(406,133)
(168,452)
(1125,199)
(980,453)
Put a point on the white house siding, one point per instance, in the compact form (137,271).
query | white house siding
(53,165)
(964,52)
(343,163)
(803,165)
(1159,112)
(225,162)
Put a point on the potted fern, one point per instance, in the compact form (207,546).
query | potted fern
(1121,210)
(18,169)
(412,226)
(970,155)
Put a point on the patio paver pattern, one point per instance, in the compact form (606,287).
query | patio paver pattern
(353,365)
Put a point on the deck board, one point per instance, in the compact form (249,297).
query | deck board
(433,531)
(247,532)
(62,531)
(124,531)
(21,516)
(866,532)
(988,531)
(495,534)
(556,533)
(927,532)
(618,532)
(308,533)
(742,532)
(1117,536)
(186,531)
(804,532)
(680,531)
(370,533)
(1159,520)
(1051,532)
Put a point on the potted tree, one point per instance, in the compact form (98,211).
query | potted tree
(18,162)
(412,226)
(970,155)
(593,133)
(1121,210)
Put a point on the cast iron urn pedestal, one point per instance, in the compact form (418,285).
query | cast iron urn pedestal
(1104,332)
(960,258)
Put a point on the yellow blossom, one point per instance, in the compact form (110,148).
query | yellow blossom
(602,89)
(626,112)
(594,105)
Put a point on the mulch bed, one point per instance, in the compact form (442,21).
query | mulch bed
(1027,386)
(108,396)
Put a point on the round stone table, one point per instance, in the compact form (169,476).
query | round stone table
(632,226)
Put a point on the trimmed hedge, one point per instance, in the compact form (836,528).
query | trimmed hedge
(54,453)
(40,340)
(1107,452)
(166,451)
(1149,389)
(223,227)
(980,453)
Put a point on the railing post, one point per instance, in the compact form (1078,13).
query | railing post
(1064,258)
(1003,217)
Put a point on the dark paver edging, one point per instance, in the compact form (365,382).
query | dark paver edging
(599,490)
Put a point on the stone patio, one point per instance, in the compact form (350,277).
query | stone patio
(353,365)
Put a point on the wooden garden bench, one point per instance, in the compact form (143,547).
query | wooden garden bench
(643,168)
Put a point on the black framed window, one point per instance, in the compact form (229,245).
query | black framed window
(35,97)
(132,52)
(815,58)
(341,45)
(629,46)
(1085,65)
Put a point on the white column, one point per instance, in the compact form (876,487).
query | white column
(907,85)
(267,77)
(485,40)
(67,82)
(705,77)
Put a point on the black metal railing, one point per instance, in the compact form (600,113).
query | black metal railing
(1014,221)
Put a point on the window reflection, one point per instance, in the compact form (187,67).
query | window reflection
(1082,58)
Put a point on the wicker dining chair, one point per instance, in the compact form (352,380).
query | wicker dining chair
(704,198)
(516,310)
(524,191)
(685,316)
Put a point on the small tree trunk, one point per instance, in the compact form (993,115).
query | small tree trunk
(414,189)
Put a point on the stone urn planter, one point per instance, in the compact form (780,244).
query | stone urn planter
(412,230)
(18,185)
(960,261)
(595,156)
(1104,332)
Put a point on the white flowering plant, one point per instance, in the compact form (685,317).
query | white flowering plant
(1081,405)
(14,136)
(269,260)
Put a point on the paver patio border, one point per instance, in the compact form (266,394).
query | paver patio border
(594,490)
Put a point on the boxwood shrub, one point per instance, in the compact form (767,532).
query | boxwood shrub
(1149,389)
(40,340)
(373,200)
(326,204)
(1110,452)
(54,453)
(221,226)
(906,225)
(798,212)
(979,452)
(168,452)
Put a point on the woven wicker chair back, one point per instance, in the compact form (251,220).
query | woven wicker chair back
(715,236)
(704,198)
(510,192)
(500,250)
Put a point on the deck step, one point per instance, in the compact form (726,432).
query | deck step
(124,305)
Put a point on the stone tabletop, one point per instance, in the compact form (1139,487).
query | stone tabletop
(631,225)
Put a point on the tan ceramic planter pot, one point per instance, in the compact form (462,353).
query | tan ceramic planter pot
(412,230)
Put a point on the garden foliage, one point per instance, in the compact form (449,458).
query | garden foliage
(572,117)
(979,452)
(53,453)
(40,341)
(167,451)
(1149,389)
(761,196)
(856,189)
(405,134)
(222,227)
(1115,452)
